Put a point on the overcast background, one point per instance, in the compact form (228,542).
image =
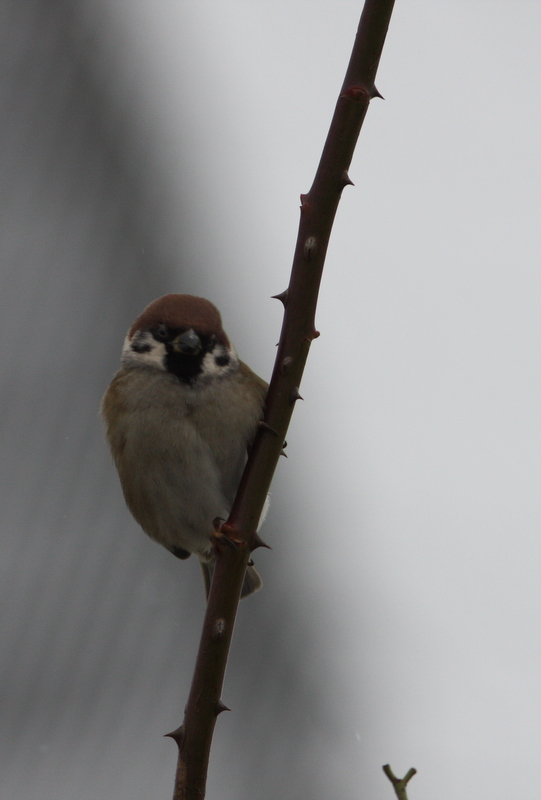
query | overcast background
(150,147)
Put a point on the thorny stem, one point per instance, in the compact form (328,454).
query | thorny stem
(318,209)
(399,784)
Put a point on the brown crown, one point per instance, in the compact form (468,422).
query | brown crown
(182,311)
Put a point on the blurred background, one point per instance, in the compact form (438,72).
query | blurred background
(161,147)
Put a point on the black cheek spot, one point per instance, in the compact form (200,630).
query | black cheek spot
(141,347)
(221,361)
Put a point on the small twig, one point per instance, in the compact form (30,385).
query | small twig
(399,784)
(318,209)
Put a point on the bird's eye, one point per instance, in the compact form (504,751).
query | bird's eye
(160,332)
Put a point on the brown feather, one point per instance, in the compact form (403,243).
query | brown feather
(182,311)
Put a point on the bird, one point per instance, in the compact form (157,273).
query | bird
(180,416)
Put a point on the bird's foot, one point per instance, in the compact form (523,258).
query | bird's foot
(222,535)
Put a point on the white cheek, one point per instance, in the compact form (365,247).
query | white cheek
(152,358)
(210,367)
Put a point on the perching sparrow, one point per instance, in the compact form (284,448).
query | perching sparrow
(179,417)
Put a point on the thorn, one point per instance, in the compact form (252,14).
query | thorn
(375,93)
(311,336)
(257,541)
(294,396)
(345,180)
(283,453)
(177,735)
(304,201)
(220,707)
(282,297)
(263,424)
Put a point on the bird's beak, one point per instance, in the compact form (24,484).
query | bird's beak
(187,343)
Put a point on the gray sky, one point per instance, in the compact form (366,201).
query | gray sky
(412,485)
(406,518)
